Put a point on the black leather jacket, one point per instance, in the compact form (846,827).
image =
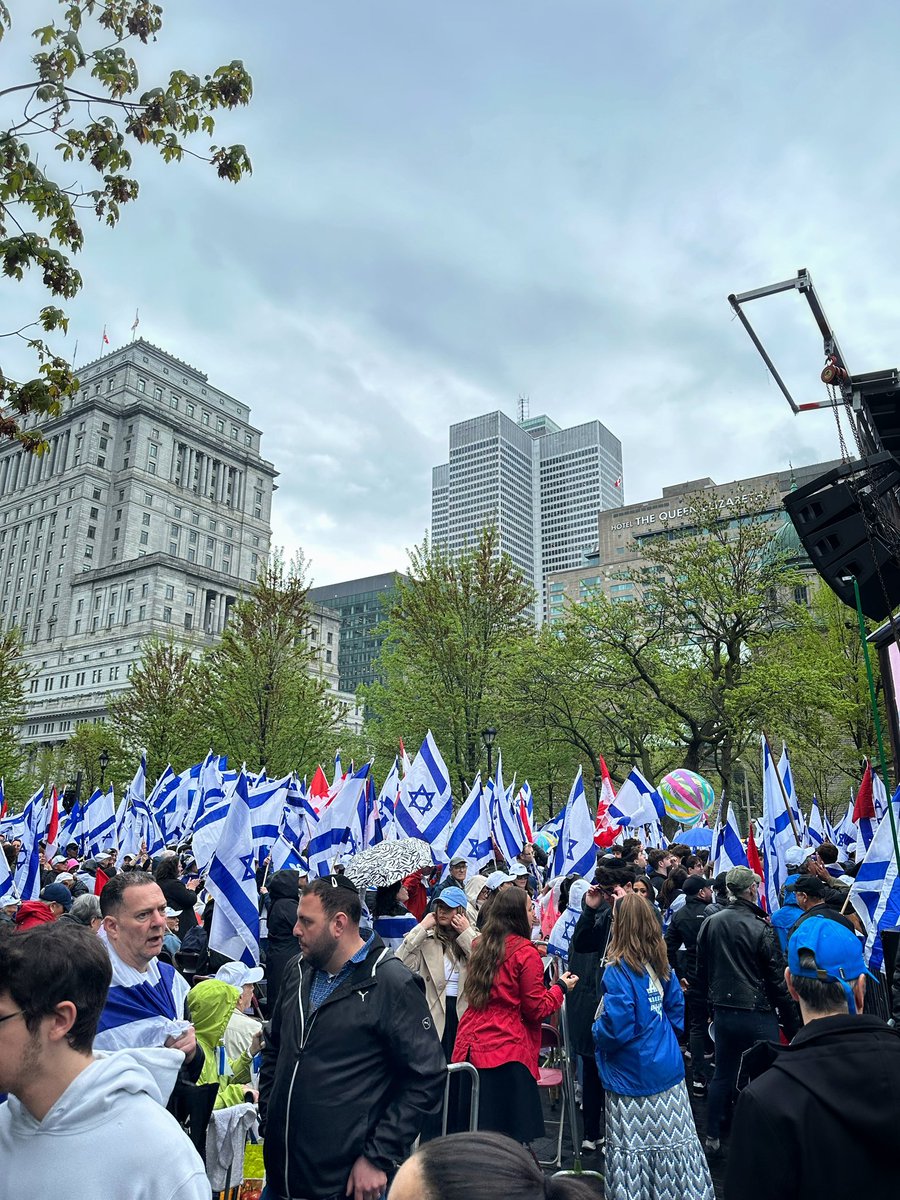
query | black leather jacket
(740,964)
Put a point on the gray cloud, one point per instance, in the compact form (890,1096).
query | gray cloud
(452,206)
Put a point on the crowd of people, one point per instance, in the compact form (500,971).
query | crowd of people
(134,1055)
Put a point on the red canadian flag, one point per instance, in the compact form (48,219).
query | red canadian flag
(605,831)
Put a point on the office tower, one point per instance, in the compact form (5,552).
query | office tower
(542,487)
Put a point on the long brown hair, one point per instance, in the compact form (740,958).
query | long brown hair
(508,914)
(636,937)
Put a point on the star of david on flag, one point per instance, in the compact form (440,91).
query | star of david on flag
(231,882)
(425,807)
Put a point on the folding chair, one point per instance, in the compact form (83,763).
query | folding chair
(550,1076)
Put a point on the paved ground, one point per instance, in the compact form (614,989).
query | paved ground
(546,1149)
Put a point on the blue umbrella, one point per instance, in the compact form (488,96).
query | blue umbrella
(695,838)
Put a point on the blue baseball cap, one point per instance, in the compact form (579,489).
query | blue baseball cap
(836,955)
(453,897)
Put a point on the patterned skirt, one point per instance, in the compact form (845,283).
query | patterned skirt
(652,1148)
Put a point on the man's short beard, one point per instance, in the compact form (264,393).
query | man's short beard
(320,953)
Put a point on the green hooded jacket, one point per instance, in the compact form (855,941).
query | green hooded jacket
(210,1005)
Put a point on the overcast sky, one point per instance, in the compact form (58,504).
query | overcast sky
(456,204)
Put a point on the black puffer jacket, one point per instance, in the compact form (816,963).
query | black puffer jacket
(740,964)
(359,1075)
(281,919)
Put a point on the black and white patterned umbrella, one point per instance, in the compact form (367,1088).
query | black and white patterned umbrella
(388,862)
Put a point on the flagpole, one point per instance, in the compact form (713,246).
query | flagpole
(747,797)
(784,795)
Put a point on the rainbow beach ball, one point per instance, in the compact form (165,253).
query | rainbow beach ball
(686,796)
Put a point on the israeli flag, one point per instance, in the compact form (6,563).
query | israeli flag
(100,822)
(387,801)
(875,894)
(818,826)
(637,802)
(425,806)
(7,883)
(28,865)
(231,880)
(561,935)
(507,831)
(777,833)
(267,804)
(339,829)
(470,837)
(575,852)
(728,850)
(787,778)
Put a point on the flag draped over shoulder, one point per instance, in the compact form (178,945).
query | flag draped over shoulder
(143,1008)
(231,880)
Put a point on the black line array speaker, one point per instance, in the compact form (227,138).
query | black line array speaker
(830,515)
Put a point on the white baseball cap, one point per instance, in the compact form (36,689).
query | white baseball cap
(497,879)
(237,974)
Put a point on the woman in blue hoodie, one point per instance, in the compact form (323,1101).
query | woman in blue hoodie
(652,1148)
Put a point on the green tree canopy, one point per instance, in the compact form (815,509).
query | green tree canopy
(453,627)
(160,713)
(265,702)
(68,152)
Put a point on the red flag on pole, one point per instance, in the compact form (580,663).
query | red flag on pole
(605,832)
(755,864)
(53,827)
(101,879)
(864,807)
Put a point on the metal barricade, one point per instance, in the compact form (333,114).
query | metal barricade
(462,1068)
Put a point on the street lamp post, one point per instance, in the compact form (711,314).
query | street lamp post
(103,760)
(487,736)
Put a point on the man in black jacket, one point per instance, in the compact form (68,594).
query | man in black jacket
(740,967)
(681,947)
(821,1115)
(352,1065)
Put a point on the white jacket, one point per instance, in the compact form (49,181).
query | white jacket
(107,1135)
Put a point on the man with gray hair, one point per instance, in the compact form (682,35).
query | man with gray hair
(740,967)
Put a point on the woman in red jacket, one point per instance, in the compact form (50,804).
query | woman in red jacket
(500,1031)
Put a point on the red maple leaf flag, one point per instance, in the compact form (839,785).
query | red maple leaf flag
(101,879)
(605,830)
(318,790)
(755,864)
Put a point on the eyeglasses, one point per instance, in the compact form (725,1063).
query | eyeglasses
(9,1016)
